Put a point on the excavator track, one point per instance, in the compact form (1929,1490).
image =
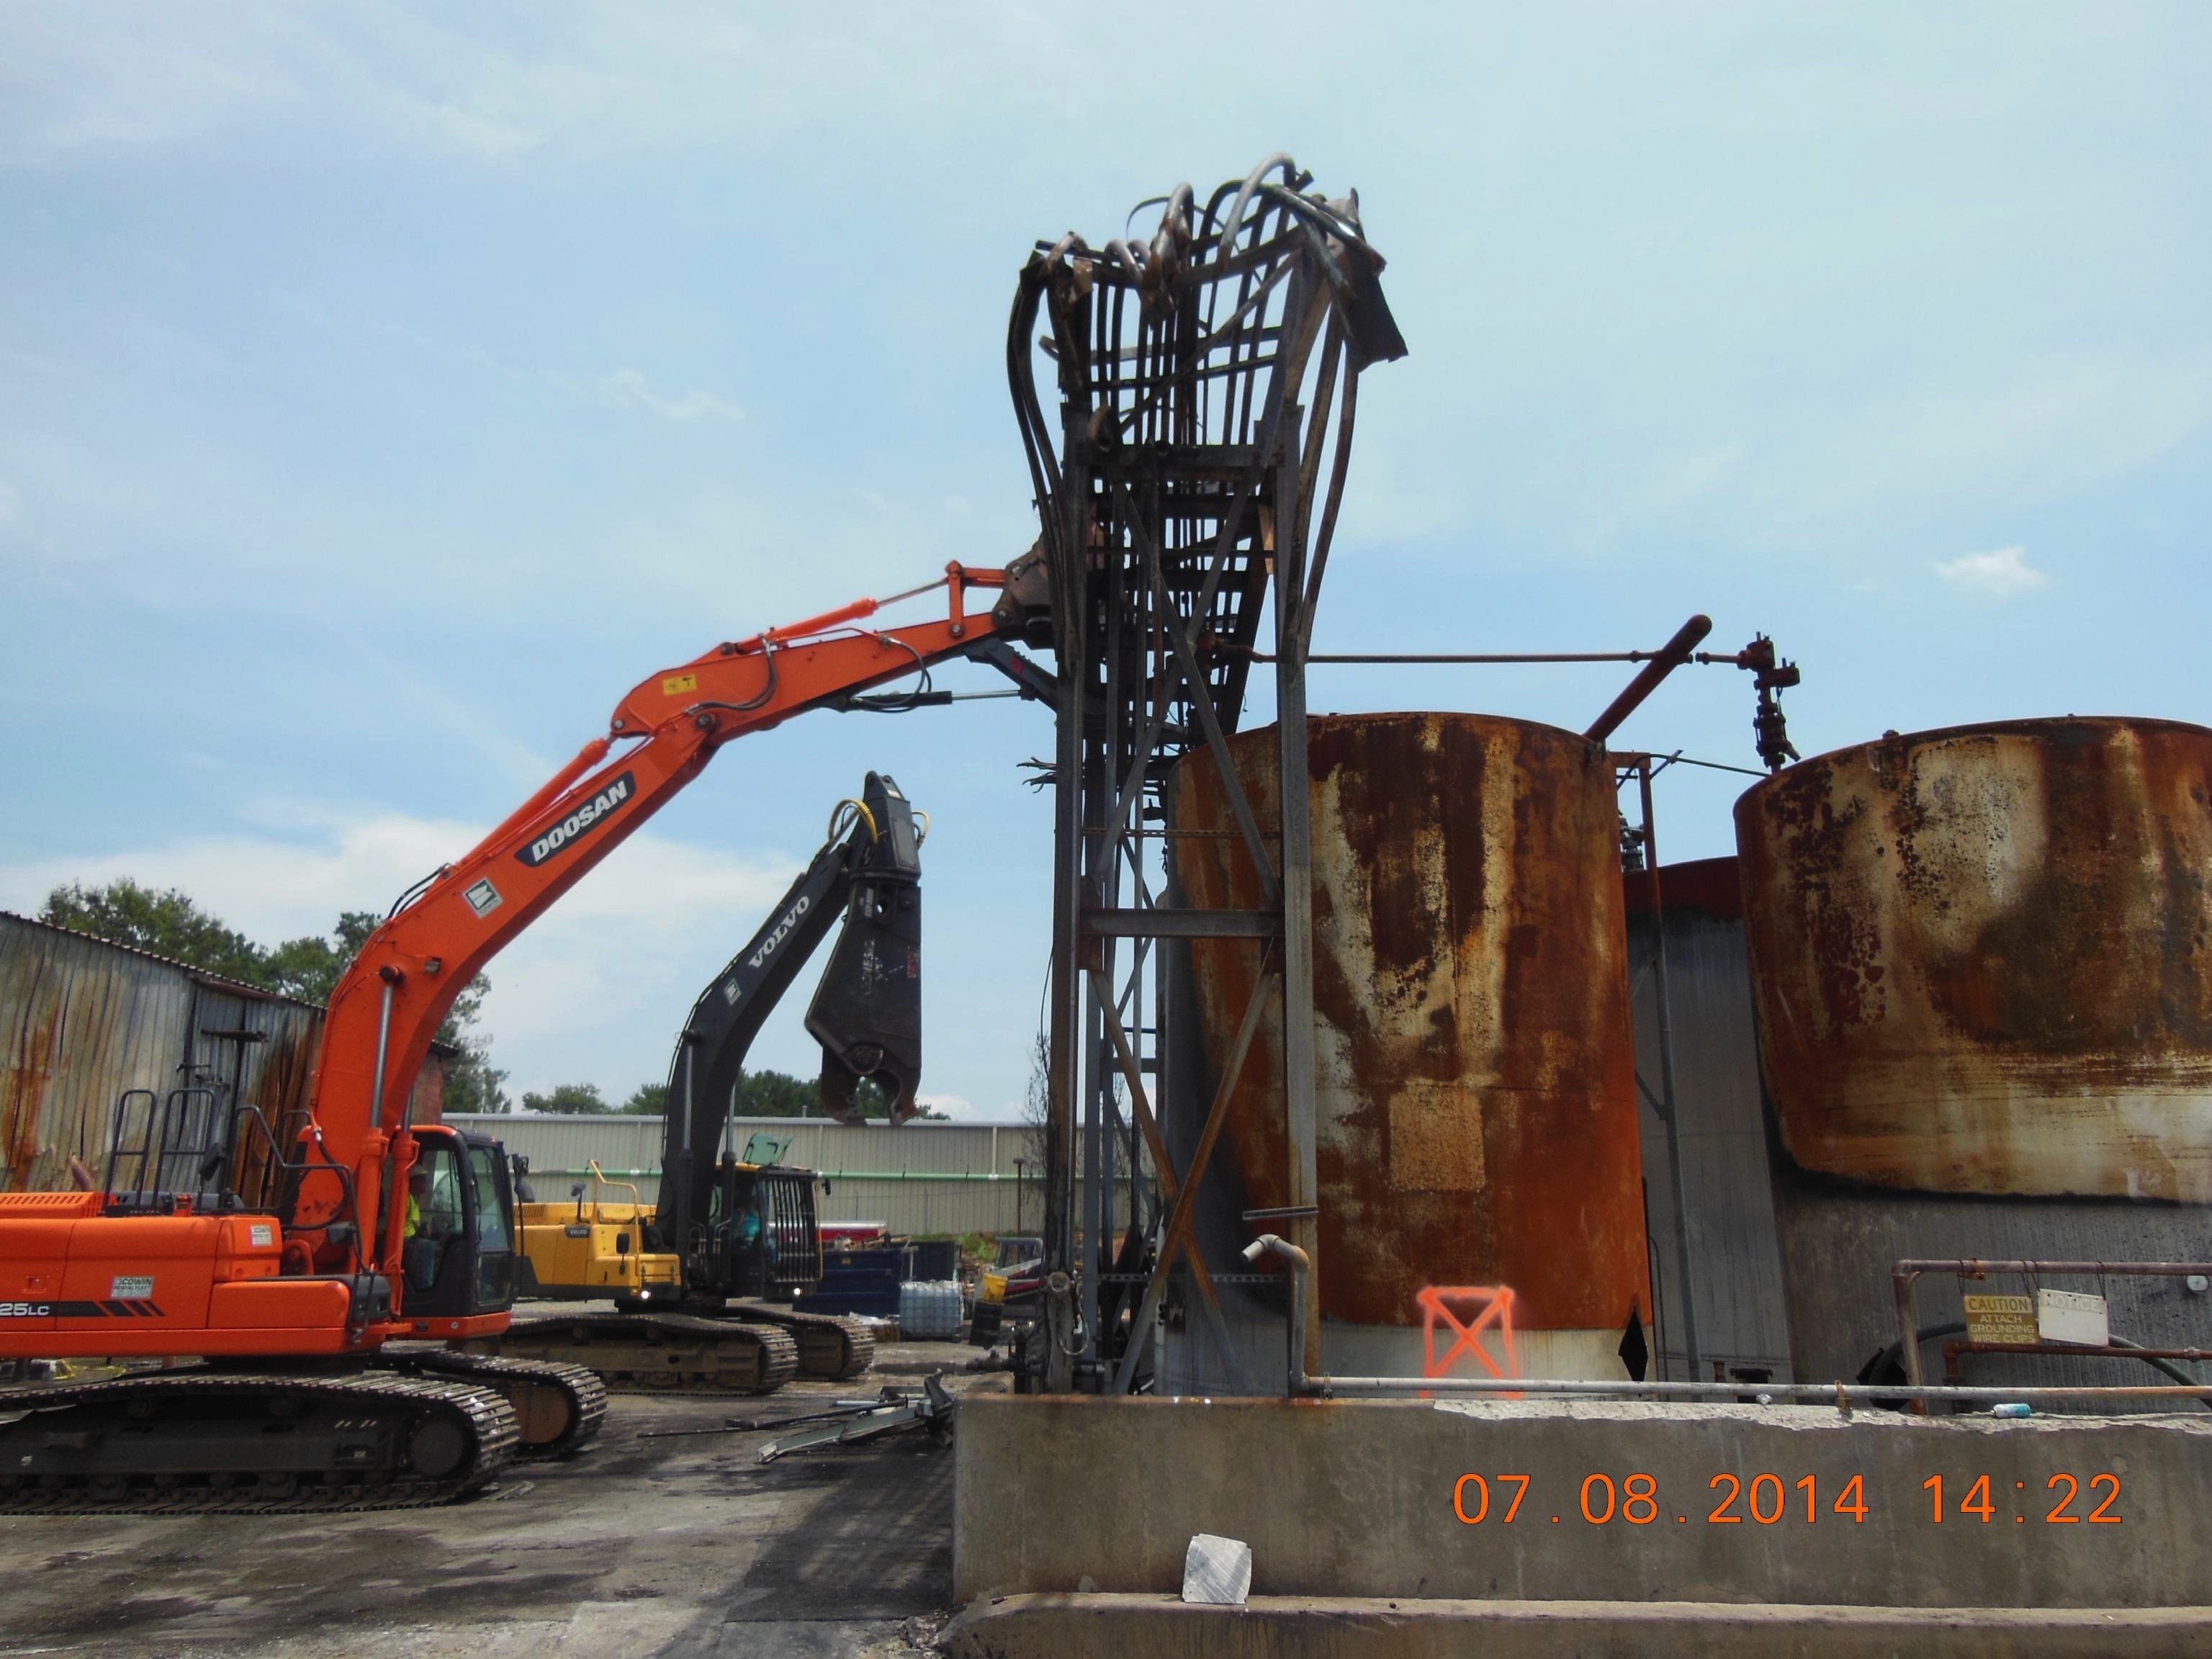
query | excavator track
(250,1443)
(832,1348)
(560,1408)
(654,1353)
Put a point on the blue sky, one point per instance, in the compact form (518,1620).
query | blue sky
(383,389)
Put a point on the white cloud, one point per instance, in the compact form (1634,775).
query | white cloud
(961,1110)
(591,78)
(2003,572)
(594,990)
(628,389)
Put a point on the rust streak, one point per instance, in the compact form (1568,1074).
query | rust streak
(1983,958)
(1475,1083)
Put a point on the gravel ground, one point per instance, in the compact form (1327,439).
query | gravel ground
(646,1543)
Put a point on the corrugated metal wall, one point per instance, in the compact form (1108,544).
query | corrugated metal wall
(82,1020)
(924,1178)
(1736,1263)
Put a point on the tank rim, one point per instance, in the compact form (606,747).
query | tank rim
(2026,726)
(1367,714)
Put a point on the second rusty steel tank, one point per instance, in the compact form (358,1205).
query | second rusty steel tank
(1983,958)
(1475,1106)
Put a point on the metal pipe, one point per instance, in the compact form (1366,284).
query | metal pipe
(1906,1274)
(1454,657)
(1972,1268)
(391,977)
(826,1175)
(1272,1244)
(1837,1394)
(1902,1279)
(1664,661)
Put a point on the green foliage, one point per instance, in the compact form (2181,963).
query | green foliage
(777,1094)
(309,968)
(169,924)
(473,1084)
(166,922)
(647,1100)
(574,1098)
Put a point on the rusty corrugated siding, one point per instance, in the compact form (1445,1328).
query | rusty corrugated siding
(1983,958)
(82,1020)
(1735,1260)
(1475,1089)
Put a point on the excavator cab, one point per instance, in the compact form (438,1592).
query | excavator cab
(761,1232)
(457,1248)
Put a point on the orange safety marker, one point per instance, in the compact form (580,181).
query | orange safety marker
(1449,1305)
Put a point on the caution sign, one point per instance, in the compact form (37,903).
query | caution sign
(2001,1318)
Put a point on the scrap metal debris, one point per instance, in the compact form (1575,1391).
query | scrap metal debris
(892,1412)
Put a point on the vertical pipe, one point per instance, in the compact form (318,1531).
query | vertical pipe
(1296,827)
(1094,1177)
(1063,1081)
(383,1043)
(689,1100)
(1685,1290)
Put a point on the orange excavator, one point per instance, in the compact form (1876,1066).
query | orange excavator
(316,1269)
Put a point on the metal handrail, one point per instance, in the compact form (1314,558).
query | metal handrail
(600,1180)
(1842,1395)
(1905,1276)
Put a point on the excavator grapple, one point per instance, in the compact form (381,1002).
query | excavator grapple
(732,1240)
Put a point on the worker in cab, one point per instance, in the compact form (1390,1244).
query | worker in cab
(423,1232)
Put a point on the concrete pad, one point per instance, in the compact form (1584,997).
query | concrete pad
(1295,1627)
(1629,1501)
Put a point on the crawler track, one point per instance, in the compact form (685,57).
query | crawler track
(250,1443)
(832,1348)
(654,1353)
(559,1408)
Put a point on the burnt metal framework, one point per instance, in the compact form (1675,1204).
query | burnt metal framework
(1206,385)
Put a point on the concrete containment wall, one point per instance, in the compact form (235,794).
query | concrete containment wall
(1343,1499)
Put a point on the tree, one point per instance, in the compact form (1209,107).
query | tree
(647,1100)
(166,922)
(309,968)
(573,1098)
(777,1094)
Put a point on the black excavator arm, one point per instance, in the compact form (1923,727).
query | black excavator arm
(866,1012)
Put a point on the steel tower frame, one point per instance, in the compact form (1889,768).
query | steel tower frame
(1206,384)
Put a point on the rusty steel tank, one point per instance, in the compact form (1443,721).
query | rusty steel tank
(1475,1106)
(1983,958)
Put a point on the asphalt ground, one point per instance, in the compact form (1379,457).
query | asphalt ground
(646,1543)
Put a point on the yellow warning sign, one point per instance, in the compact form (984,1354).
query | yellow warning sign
(2001,1318)
(676,684)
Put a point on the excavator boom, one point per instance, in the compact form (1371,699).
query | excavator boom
(374,1228)
(389,1005)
